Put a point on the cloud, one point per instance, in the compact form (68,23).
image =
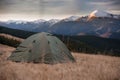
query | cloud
(106,4)
(100,3)
(57,7)
(40,6)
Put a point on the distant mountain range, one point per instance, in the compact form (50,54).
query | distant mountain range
(97,23)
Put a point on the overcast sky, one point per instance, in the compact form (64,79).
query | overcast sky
(47,9)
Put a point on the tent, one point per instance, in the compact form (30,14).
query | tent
(42,48)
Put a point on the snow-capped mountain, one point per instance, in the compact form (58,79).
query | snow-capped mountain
(52,21)
(100,13)
(108,26)
(36,25)
(71,18)
(39,21)
(16,21)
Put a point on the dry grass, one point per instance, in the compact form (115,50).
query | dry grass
(87,67)
(11,37)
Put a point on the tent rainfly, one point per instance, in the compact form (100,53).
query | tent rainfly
(42,48)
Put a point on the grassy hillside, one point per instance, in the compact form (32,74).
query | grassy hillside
(15,32)
(87,67)
(10,40)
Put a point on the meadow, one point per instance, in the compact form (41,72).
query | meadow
(86,67)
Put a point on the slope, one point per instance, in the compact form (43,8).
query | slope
(87,67)
(15,32)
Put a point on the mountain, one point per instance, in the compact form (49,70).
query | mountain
(71,18)
(102,27)
(16,22)
(35,26)
(39,21)
(98,23)
(53,21)
(100,13)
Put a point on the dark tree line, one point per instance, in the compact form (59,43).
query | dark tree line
(9,41)
(84,47)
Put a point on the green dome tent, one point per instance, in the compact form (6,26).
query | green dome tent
(42,48)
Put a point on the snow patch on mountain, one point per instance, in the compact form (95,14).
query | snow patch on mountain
(16,22)
(100,13)
(53,21)
(71,18)
(39,21)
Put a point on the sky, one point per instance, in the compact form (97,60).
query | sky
(53,9)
